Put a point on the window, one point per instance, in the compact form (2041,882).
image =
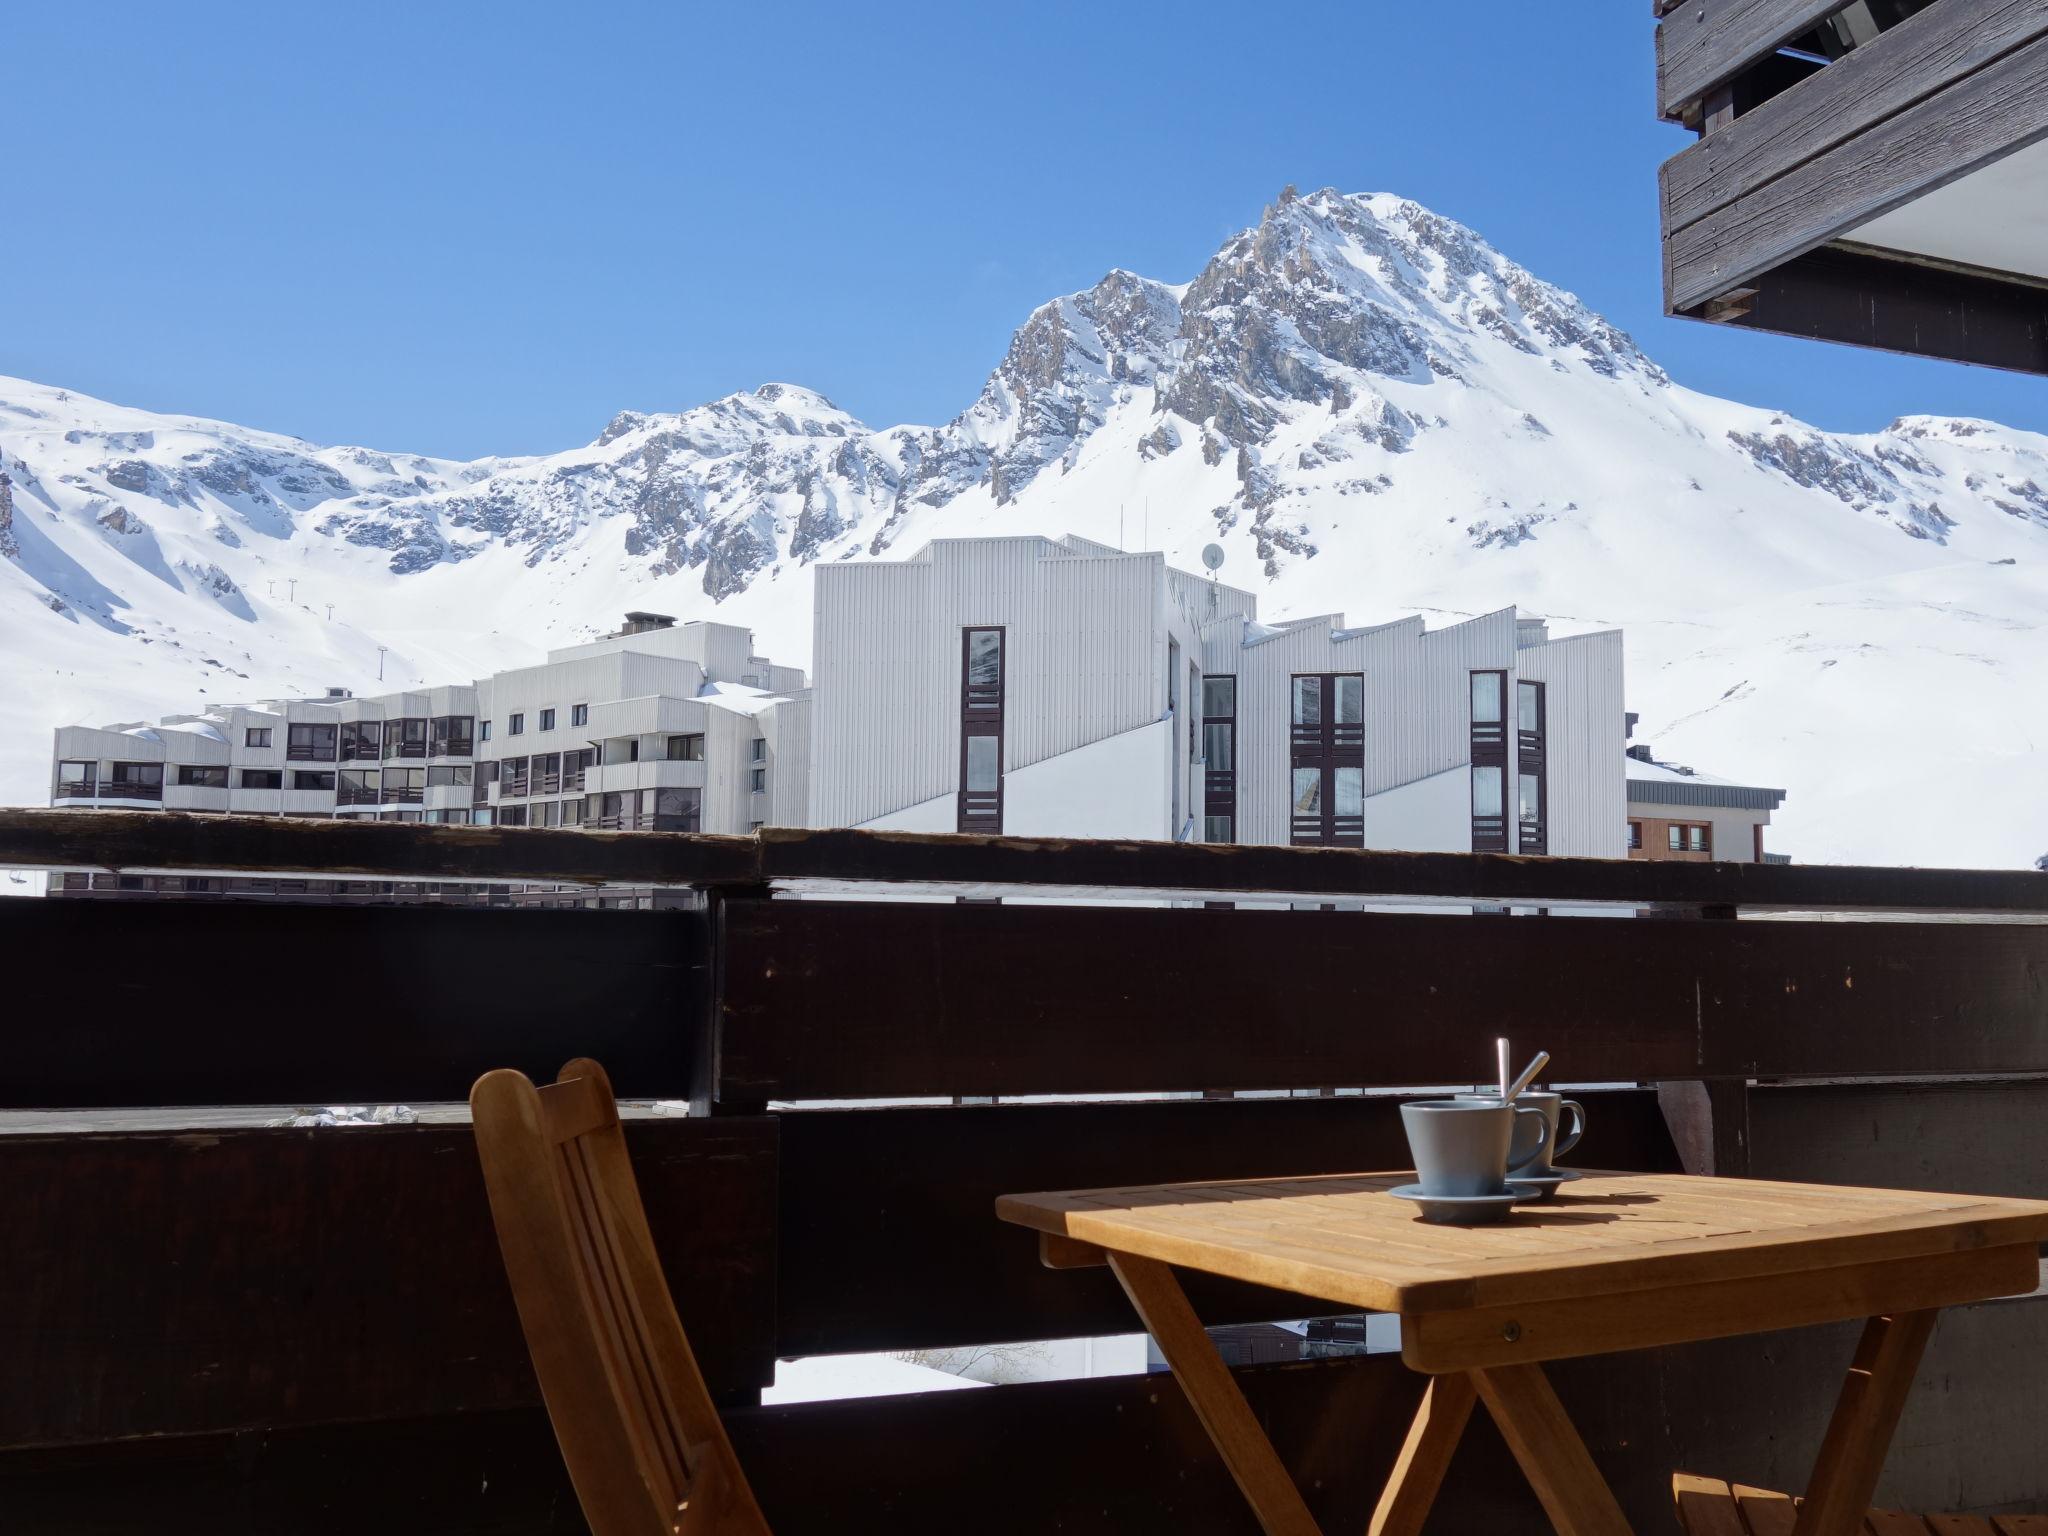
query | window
(676,810)
(758,781)
(1532,809)
(1326,715)
(511,815)
(1489,743)
(547,773)
(312,778)
(451,736)
(512,776)
(1635,834)
(572,811)
(405,738)
(686,749)
(1219,759)
(547,813)
(484,732)
(311,743)
(449,773)
(202,776)
(547,719)
(77,777)
(357,786)
(1689,838)
(515,725)
(361,739)
(262,778)
(574,765)
(759,749)
(579,714)
(256,736)
(981,731)
(135,781)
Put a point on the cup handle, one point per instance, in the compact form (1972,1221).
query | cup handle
(1566,1142)
(1518,1157)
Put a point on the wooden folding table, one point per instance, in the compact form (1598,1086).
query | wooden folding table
(1617,1261)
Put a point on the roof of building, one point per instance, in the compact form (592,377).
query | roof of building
(1655,783)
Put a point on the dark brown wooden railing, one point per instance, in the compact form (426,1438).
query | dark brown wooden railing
(221,1329)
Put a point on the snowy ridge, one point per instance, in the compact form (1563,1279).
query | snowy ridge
(1370,408)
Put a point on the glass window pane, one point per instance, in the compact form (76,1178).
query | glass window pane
(1486,790)
(1350,791)
(1308,701)
(1219,697)
(1678,839)
(1308,791)
(981,762)
(1350,701)
(1531,797)
(1529,698)
(1218,742)
(1486,701)
(984,658)
(1217,829)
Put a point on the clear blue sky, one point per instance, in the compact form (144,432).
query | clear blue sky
(466,228)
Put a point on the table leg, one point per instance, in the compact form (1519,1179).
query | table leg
(1866,1414)
(1262,1478)
(1551,1454)
(1425,1456)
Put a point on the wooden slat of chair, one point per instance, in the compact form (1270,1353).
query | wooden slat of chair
(641,1437)
(1708,1506)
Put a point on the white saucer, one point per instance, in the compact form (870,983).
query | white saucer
(1541,1186)
(1461,1210)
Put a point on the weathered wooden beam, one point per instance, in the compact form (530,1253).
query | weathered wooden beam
(1981,118)
(180,1283)
(1705,43)
(1921,55)
(1709,1124)
(174,1002)
(136,842)
(1867,300)
(858,1000)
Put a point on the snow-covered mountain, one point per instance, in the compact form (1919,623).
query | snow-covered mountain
(1369,408)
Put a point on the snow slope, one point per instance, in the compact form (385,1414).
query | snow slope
(1370,409)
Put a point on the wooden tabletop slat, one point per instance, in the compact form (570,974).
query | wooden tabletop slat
(1344,1238)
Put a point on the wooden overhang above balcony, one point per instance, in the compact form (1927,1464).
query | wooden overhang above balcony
(1896,197)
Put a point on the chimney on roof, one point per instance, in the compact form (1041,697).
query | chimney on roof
(1640,751)
(1530,630)
(1628,724)
(638,623)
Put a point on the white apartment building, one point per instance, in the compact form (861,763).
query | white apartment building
(661,726)
(1044,687)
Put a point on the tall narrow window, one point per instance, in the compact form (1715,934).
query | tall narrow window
(981,730)
(1489,762)
(1219,759)
(1327,746)
(1532,793)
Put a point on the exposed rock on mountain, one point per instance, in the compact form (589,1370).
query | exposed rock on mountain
(1368,406)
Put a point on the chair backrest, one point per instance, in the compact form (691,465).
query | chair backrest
(639,1432)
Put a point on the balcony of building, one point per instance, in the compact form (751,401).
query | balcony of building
(216,1323)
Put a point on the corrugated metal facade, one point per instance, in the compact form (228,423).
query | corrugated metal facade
(1584,732)
(1084,658)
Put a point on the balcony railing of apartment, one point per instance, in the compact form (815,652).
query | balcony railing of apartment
(82,789)
(130,789)
(342,1293)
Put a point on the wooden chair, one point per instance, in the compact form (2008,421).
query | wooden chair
(1709,1507)
(641,1437)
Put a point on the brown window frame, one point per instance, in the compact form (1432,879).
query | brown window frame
(1219,785)
(1489,749)
(982,713)
(1328,746)
(1532,747)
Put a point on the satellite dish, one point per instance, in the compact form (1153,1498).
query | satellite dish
(1212,556)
